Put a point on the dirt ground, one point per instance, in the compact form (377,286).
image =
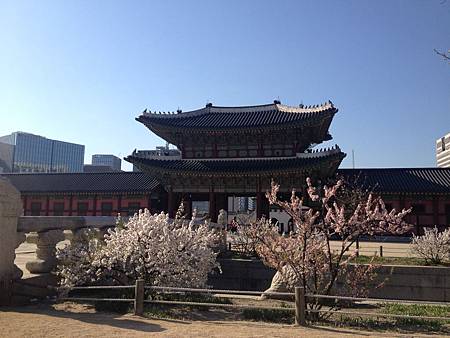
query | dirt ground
(78,320)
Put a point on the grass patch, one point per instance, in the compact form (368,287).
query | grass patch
(267,315)
(419,310)
(398,324)
(389,260)
(191,297)
(416,310)
(395,261)
(181,311)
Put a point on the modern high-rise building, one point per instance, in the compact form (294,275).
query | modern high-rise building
(34,153)
(443,151)
(107,160)
(6,157)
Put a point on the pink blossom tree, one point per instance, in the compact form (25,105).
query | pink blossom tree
(305,256)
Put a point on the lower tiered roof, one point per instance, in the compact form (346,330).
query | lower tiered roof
(328,160)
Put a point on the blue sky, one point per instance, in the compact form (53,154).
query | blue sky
(81,71)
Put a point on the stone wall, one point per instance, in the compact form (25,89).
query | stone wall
(400,282)
(414,282)
(10,210)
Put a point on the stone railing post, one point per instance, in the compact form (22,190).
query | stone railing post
(45,252)
(20,238)
(10,210)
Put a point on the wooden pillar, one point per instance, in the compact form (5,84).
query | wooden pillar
(170,203)
(212,205)
(25,200)
(436,210)
(222,201)
(94,212)
(259,211)
(187,202)
(70,205)
(265,206)
(119,203)
(262,204)
(258,197)
(401,202)
(149,202)
(47,206)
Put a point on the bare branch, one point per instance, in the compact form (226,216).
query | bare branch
(446,56)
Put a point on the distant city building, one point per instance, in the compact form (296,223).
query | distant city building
(34,153)
(160,153)
(108,160)
(443,151)
(6,157)
(92,168)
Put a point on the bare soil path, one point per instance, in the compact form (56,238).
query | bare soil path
(77,320)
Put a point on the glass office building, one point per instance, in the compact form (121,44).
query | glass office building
(107,160)
(33,153)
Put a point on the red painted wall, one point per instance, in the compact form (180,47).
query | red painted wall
(434,212)
(94,204)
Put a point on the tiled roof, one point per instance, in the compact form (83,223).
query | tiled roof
(402,180)
(238,117)
(83,182)
(383,180)
(236,166)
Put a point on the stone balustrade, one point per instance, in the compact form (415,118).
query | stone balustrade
(50,231)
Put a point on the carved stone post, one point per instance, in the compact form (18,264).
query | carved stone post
(10,210)
(46,252)
(18,273)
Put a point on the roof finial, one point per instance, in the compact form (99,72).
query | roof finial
(179,111)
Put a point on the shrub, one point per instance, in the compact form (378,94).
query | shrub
(433,246)
(151,247)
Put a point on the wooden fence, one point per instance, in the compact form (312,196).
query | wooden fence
(299,296)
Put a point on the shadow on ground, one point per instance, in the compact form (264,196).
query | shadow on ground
(128,322)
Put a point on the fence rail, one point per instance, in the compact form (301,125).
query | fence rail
(300,301)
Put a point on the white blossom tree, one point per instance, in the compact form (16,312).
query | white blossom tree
(151,247)
(433,246)
(305,257)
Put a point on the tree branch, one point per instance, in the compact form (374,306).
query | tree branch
(446,56)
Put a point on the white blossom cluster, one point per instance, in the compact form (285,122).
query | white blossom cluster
(433,246)
(151,247)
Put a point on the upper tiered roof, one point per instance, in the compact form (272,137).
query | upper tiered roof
(213,117)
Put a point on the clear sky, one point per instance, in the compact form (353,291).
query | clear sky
(81,71)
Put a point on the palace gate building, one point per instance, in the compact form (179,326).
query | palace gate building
(231,151)
(238,151)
